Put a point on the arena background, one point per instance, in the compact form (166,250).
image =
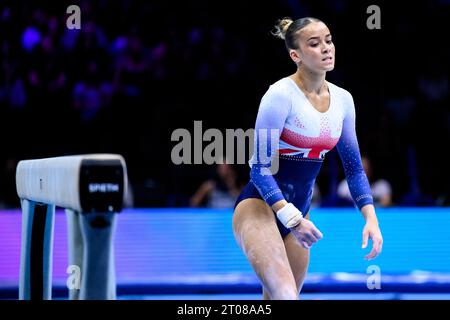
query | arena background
(136,71)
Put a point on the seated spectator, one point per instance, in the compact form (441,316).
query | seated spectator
(414,197)
(381,188)
(219,192)
(91,94)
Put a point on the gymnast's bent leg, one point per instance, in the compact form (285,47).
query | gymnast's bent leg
(257,234)
(298,260)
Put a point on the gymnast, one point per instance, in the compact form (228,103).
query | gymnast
(300,118)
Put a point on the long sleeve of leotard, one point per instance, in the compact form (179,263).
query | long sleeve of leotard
(273,110)
(349,153)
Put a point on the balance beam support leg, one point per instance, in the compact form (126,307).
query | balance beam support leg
(75,250)
(37,249)
(98,271)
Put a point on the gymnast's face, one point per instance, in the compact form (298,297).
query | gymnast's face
(316,49)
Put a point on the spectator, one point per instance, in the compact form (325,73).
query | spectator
(381,188)
(91,94)
(219,192)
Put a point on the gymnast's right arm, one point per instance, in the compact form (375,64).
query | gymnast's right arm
(272,113)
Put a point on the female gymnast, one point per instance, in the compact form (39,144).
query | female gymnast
(300,118)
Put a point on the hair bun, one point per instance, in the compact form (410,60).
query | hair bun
(281,28)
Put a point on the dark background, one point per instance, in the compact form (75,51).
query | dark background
(138,70)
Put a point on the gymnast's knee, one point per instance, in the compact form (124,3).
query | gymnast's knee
(283,292)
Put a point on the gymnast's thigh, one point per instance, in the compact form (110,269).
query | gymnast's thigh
(256,232)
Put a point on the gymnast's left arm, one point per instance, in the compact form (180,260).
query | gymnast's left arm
(358,184)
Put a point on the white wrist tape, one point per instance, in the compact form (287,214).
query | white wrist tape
(289,215)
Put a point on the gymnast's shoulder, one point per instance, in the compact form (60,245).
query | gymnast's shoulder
(283,88)
(338,90)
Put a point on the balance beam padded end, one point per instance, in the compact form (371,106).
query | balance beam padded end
(84,183)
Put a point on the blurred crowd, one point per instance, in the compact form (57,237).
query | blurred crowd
(137,70)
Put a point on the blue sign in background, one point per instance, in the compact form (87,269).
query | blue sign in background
(197,245)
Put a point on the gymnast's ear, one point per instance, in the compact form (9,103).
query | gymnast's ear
(295,56)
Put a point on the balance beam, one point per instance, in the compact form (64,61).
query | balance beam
(92,189)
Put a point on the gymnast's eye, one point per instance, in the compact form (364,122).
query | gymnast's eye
(315,44)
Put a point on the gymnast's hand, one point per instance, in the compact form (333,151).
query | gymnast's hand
(371,231)
(306,233)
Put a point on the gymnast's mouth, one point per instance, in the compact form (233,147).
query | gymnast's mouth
(327,58)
